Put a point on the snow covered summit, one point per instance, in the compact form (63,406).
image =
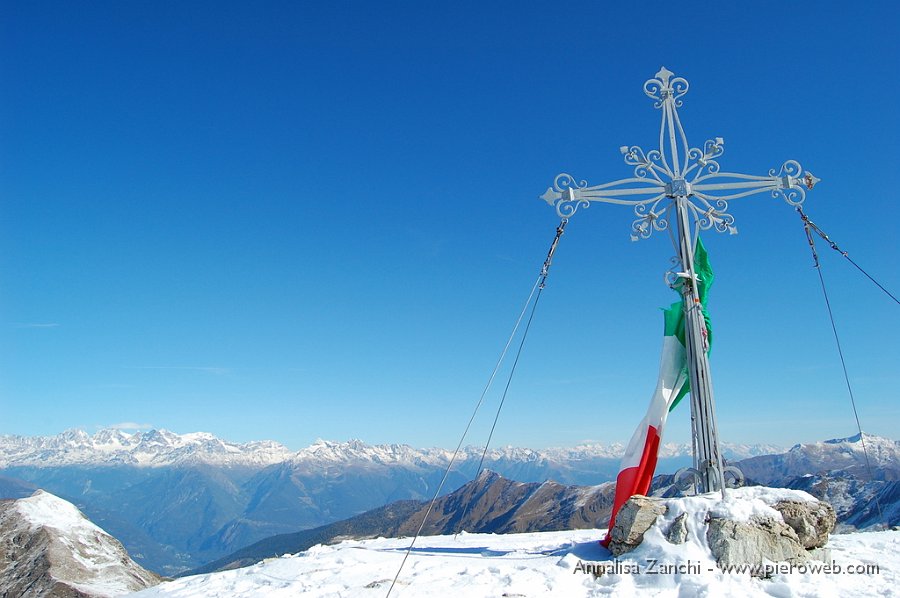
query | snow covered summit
(51,549)
(544,564)
(567,563)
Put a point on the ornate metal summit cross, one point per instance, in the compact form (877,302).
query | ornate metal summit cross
(685,182)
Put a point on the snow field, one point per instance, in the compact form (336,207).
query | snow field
(536,565)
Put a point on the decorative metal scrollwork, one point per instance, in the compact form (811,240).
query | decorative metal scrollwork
(686,479)
(792,182)
(671,275)
(678,170)
(705,160)
(736,477)
(650,217)
(663,88)
(560,195)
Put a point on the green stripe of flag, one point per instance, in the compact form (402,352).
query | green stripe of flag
(674,315)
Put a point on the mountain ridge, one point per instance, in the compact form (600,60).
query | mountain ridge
(488,504)
(162,448)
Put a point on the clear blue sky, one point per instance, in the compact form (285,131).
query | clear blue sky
(292,220)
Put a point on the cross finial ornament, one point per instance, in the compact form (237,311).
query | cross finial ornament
(684,183)
(663,75)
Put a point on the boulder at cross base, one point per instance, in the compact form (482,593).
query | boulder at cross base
(750,526)
(812,520)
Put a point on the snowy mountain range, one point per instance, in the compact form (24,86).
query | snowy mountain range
(180,501)
(161,448)
(856,455)
(154,448)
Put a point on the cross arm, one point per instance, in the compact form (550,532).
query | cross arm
(790,183)
(568,194)
(647,197)
(709,190)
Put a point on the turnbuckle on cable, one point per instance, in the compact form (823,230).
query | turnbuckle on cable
(545,269)
(807,224)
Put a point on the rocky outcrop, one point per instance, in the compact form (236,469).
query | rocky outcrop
(812,521)
(49,549)
(635,517)
(805,527)
(752,526)
(753,542)
(677,532)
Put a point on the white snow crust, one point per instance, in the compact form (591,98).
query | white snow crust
(568,563)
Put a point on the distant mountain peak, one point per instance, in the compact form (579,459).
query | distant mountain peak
(486,475)
(833,458)
(859,438)
(877,447)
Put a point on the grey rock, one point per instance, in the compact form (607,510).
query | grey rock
(677,532)
(753,542)
(812,521)
(633,520)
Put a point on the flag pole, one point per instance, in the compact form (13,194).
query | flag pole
(708,457)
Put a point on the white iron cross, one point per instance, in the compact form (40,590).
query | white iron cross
(687,180)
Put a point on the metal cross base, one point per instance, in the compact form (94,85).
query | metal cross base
(686,183)
(687,479)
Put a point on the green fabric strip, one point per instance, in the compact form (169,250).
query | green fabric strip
(674,315)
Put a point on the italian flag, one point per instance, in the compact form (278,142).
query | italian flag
(639,461)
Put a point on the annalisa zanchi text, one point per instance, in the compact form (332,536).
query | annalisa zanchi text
(655,567)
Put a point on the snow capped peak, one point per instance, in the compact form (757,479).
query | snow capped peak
(487,474)
(50,548)
(880,451)
(326,452)
(45,509)
(76,435)
(852,439)
(870,440)
(200,437)
(111,438)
